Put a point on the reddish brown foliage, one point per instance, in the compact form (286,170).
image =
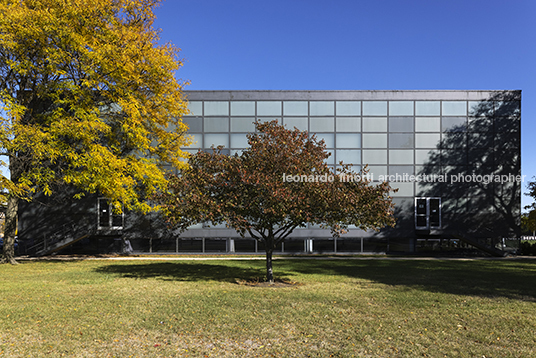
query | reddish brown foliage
(249,193)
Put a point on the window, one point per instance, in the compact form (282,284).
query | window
(454,108)
(217,108)
(295,108)
(377,108)
(427,108)
(401,108)
(242,108)
(427,213)
(322,108)
(108,219)
(269,108)
(348,108)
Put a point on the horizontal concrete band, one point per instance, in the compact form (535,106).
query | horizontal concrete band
(418,95)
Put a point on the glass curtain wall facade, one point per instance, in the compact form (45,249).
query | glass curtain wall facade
(435,147)
(454,157)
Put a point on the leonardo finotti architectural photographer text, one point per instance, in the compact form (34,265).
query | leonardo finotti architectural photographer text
(430,178)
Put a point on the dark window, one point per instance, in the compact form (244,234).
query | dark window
(108,218)
(427,213)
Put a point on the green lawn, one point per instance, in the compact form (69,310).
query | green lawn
(342,308)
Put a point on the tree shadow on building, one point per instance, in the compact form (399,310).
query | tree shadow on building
(475,170)
(481,161)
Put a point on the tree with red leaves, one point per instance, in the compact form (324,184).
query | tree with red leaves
(281,182)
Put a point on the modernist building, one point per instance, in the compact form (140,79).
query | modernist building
(454,157)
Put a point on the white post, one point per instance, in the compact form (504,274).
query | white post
(308,245)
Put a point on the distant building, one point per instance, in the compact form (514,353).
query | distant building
(453,155)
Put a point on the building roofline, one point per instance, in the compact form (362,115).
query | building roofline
(345,94)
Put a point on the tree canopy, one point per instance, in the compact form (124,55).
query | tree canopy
(88,99)
(281,182)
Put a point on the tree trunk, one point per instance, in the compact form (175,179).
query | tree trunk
(10,229)
(269,271)
(269,244)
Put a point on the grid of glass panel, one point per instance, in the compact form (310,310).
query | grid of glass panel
(395,138)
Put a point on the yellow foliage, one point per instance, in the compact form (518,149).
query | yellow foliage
(88,98)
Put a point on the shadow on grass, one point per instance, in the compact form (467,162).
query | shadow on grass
(186,271)
(511,279)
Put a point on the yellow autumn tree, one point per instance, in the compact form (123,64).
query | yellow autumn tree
(88,99)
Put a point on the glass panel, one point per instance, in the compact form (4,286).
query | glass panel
(453,157)
(322,125)
(480,124)
(295,108)
(348,108)
(243,108)
(377,170)
(476,108)
(421,221)
(435,212)
(216,140)
(196,108)
(453,140)
(268,108)
(322,108)
(197,140)
(513,106)
(239,141)
(421,207)
(299,122)
(216,124)
(508,108)
(400,157)
(429,140)
(426,156)
(347,140)
(117,220)
(104,213)
(453,124)
(374,140)
(217,108)
(242,124)
(454,108)
(427,108)
(329,139)
(351,124)
(401,170)
(194,124)
(401,140)
(404,189)
(427,124)
(480,140)
(480,156)
(375,124)
(375,157)
(349,156)
(400,124)
(401,108)
(376,108)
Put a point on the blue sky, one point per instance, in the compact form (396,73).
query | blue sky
(359,45)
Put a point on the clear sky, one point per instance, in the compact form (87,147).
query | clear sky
(359,45)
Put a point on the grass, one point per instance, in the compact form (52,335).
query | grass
(342,308)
